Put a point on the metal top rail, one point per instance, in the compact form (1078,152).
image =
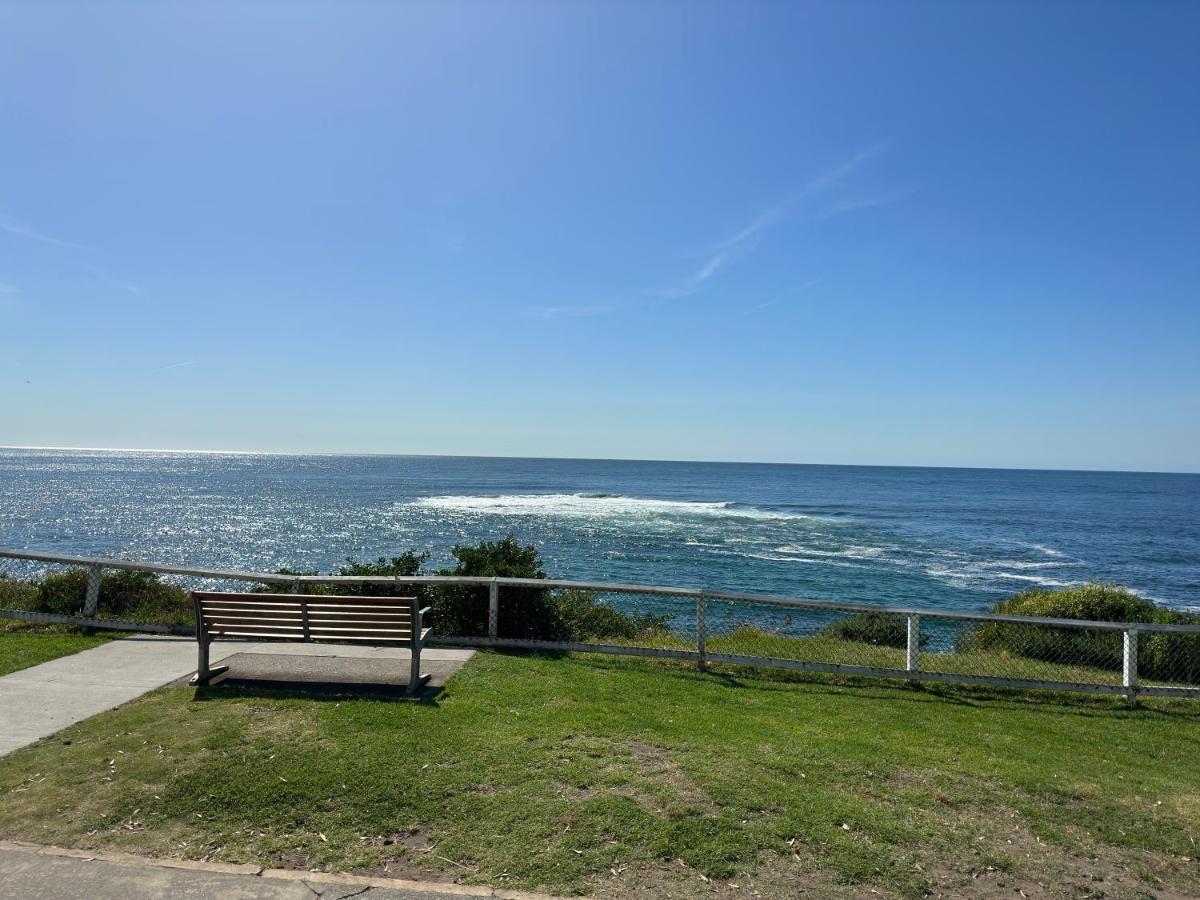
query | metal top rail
(794,602)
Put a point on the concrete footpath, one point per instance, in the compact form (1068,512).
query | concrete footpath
(40,700)
(30,872)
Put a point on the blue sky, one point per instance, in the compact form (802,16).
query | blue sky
(895,233)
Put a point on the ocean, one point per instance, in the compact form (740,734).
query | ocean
(956,539)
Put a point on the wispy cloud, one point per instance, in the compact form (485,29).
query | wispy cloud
(11,226)
(567,312)
(108,277)
(735,247)
(833,177)
(178,365)
(862,203)
(24,231)
(747,239)
(8,289)
(786,295)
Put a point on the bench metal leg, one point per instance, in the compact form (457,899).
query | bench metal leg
(416,680)
(205,673)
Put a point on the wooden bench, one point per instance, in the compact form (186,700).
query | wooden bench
(300,617)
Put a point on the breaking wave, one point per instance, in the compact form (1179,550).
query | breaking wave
(593,505)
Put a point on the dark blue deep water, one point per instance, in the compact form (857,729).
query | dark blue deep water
(947,538)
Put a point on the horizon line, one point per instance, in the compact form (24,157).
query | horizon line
(709,462)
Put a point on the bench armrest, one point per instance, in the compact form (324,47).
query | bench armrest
(426,609)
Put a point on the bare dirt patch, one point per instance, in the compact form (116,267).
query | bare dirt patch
(1028,867)
(773,876)
(656,765)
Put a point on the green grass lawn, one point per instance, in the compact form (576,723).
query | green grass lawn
(612,775)
(21,648)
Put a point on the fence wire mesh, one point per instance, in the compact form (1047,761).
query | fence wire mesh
(664,622)
(1025,652)
(107,594)
(20,581)
(805,634)
(652,621)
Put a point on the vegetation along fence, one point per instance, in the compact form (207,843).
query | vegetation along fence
(706,627)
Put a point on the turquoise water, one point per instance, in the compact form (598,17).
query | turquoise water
(945,538)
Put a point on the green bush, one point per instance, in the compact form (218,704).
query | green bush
(406,564)
(525,613)
(143,597)
(1161,655)
(136,596)
(1094,601)
(276,588)
(585,616)
(16,594)
(63,593)
(877,628)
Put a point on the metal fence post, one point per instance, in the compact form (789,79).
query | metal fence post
(92,598)
(913,664)
(702,662)
(1130,674)
(493,609)
(295,585)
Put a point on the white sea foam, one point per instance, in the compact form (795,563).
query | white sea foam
(775,557)
(1034,579)
(1021,565)
(599,506)
(1049,551)
(851,552)
(980,572)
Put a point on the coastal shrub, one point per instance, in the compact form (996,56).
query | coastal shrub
(143,597)
(526,613)
(1160,655)
(1094,601)
(17,594)
(408,563)
(63,593)
(312,589)
(137,596)
(585,616)
(878,628)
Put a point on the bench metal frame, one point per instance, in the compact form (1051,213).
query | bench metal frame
(390,621)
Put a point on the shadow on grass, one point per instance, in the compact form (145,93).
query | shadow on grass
(891,690)
(325,691)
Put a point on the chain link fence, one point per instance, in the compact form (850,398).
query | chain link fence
(106,595)
(704,627)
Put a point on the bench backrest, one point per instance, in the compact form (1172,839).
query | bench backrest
(300,617)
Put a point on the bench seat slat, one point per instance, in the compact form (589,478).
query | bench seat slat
(404,633)
(380,614)
(313,630)
(262,623)
(377,607)
(244,633)
(298,627)
(315,607)
(327,599)
(297,612)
